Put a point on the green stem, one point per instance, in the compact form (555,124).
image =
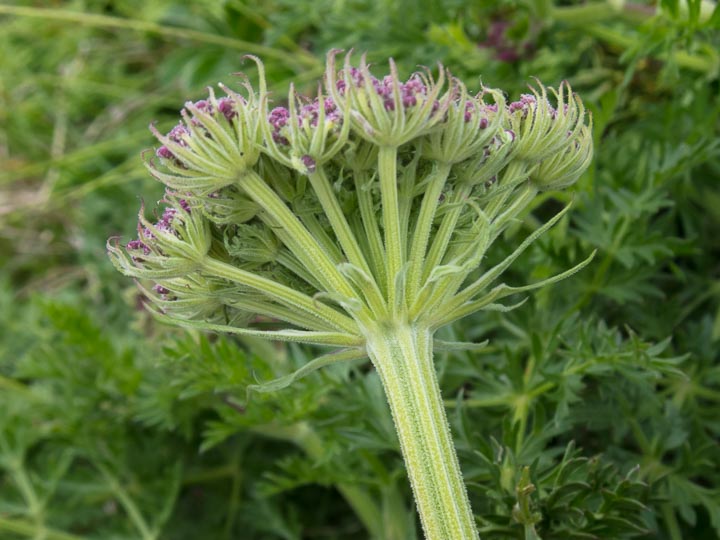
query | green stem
(283,294)
(359,500)
(446,229)
(283,313)
(387,169)
(520,202)
(25,528)
(522,198)
(429,293)
(294,234)
(91,19)
(289,261)
(343,232)
(402,355)
(316,230)
(421,235)
(128,504)
(372,229)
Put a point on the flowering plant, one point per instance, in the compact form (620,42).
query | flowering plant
(359,221)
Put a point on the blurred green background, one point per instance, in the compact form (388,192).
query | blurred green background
(607,386)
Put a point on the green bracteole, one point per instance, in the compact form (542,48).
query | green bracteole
(355,221)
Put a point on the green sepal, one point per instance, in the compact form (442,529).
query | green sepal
(335,339)
(449,315)
(367,285)
(320,362)
(441,345)
(552,279)
(495,272)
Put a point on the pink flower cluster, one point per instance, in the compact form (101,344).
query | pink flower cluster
(471,109)
(164,224)
(225,106)
(279,117)
(524,104)
(411,91)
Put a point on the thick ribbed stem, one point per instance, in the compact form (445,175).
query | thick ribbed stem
(402,355)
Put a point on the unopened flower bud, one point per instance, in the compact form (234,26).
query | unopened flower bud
(565,167)
(470,124)
(542,128)
(387,112)
(212,147)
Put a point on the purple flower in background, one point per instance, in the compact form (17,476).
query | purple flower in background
(507,49)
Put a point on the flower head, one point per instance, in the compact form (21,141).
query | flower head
(542,127)
(387,111)
(375,198)
(215,143)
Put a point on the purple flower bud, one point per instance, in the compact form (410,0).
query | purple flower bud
(164,153)
(164,224)
(333,117)
(409,100)
(357,77)
(178,134)
(310,113)
(511,133)
(309,162)
(329,105)
(137,244)
(161,290)
(524,104)
(278,119)
(227,108)
(204,106)
(415,86)
(469,108)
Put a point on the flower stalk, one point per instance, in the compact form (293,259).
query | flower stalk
(403,357)
(356,221)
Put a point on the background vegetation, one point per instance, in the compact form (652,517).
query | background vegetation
(592,414)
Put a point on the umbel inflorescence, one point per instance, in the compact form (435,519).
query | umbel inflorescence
(358,220)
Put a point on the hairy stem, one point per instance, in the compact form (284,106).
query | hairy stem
(282,294)
(338,221)
(296,236)
(387,168)
(425,219)
(402,355)
(372,228)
